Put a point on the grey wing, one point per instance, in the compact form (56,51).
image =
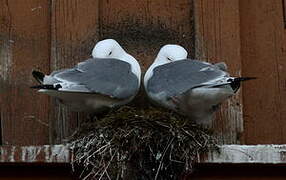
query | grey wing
(51,79)
(105,76)
(54,73)
(180,76)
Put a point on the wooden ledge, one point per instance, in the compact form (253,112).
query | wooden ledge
(35,154)
(260,154)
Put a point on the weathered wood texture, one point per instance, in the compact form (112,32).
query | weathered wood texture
(24,45)
(242,154)
(263,52)
(52,34)
(236,154)
(44,35)
(71,29)
(217,39)
(35,154)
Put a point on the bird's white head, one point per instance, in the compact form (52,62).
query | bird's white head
(170,53)
(108,48)
(167,54)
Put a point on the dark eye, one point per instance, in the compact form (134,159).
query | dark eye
(169,59)
(110,53)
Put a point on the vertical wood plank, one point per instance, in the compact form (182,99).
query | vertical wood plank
(264,55)
(218,39)
(74,34)
(24,45)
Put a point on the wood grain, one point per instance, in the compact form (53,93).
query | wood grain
(52,34)
(218,39)
(35,154)
(284,12)
(74,29)
(24,46)
(264,55)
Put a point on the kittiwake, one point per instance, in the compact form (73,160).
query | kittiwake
(109,79)
(190,87)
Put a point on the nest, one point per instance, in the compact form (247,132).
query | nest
(130,143)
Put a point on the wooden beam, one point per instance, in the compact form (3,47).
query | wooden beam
(233,154)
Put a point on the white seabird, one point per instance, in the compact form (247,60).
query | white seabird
(109,79)
(190,87)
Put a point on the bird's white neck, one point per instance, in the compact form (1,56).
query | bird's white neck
(135,67)
(157,62)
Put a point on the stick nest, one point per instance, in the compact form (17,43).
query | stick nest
(130,143)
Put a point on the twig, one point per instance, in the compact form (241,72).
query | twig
(162,158)
(107,165)
(192,137)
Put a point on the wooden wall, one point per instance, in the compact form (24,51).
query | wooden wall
(249,35)
(49,35)
(52,34)
(263,49)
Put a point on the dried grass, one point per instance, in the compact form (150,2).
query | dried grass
(131,143)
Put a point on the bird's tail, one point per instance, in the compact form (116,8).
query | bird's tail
(39,76)
(235,82)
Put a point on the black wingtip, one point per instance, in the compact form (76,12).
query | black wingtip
(39,76)
(36,87)
(235,83)
(244,78)
(47,86)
